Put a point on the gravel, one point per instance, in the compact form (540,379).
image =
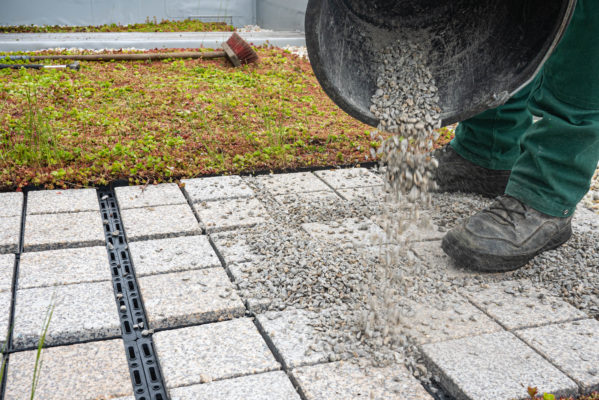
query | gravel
(301,51)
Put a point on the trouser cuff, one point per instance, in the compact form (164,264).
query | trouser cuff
(537,202)
(481,162)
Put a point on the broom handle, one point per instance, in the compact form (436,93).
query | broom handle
(108,57)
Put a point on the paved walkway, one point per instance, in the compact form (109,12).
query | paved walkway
(216,340)
(151,40)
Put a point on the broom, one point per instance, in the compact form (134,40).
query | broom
(236,50)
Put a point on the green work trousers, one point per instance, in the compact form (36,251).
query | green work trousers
(552,160)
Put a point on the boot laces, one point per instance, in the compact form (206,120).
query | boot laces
(507,210)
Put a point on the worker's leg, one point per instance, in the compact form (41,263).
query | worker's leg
(560,152)
(558,157)
(485,147)
(492,139)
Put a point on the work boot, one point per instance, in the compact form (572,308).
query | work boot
(455,173)
(505,236)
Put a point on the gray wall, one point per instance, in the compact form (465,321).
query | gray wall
(271,14)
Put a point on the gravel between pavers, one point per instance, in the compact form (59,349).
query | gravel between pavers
(290,268)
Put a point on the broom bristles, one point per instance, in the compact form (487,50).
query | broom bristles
(242,49)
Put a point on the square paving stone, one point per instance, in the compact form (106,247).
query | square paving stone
(242,274)
(217,188)
(230,214)
(451,317)
(301,182)
(7,267)
(297,202)
(96,370)
(420,231)
(55,231)
(295,339)
(268,386)
(234,247)
(10,229)
(172,255)
(212,352)
(191,297)
(521,304)
(5,300)
(150,195)
(353,231)
(84,311)
(349,178)
(495,366)
(349,380)
(63,267)
(369,193)
(160,222)
(12,204)
(62,201)
(573,347)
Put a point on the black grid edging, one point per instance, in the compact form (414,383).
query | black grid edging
(144,368)
(15,280)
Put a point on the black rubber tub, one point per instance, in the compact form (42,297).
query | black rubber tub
(483,51)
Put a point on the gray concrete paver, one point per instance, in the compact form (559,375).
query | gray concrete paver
(224,215)
(495,366)
(368,193)
(212,352)
(10,229)
(5,301)
(84,311)
(217,188)
(56,231)
(62,201)
(12,204)
(306,201)
(300,182)
(348,380)
(63,267)
(96,370)
(7,267)
(428,324)
(573,347)
(423,230)
(349,178)
(295,339)
(148,196)
(172,255)
(352,231)
(191,297)
(517,304)
(234,247)
(268,386)
(159,222)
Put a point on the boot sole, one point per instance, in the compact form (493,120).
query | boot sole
(491,263)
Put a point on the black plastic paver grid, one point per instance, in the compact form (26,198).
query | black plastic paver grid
(143,363)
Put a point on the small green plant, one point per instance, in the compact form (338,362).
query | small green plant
(533,391)
(38,358)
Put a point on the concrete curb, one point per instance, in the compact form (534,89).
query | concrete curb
(98,41)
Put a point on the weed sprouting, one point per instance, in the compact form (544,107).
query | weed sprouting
(38,358)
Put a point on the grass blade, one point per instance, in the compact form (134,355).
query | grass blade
(38,357)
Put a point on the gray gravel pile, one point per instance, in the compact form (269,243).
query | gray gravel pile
(342,285)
